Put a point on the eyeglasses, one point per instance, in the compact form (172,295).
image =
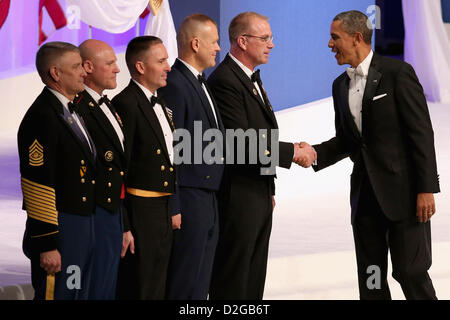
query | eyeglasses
(266,39)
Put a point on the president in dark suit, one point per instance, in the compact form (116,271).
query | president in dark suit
(247,193)
(106,128)
(151,182)
(193,104)
(383,125)
(58,170)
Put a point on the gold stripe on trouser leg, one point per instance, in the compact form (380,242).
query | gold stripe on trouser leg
(50,288)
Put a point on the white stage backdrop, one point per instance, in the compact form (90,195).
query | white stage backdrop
(115,16)
(427,47)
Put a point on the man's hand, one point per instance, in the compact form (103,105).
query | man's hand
(176,221)
(304,154)
(50,261)
(425,206)
(128,241)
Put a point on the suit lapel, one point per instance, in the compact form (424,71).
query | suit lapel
(373,80)
(102,121)
(344,102)
(216,109)
(150,115)
(68,120)
(198,88)
(248,84)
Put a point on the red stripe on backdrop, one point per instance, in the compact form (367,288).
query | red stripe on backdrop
(4,9)
(56,14)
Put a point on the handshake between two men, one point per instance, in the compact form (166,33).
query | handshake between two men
(304,154)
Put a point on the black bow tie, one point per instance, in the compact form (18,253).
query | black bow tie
(72,107)
(201,78)
(104,99)
(255,76)
(154,100)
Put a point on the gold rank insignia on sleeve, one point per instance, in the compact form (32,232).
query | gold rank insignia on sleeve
(36,154)
(83,171)
(40,201)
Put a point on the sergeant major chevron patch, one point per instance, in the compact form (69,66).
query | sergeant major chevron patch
(36,154)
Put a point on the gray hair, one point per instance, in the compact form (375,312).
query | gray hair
(48,54)
(355,21)
(241,24)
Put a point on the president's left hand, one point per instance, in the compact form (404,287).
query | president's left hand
(425,206)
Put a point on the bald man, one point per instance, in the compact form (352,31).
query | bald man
(105,126)
(187,94)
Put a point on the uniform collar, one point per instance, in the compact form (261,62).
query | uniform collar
(147,92)
(93,93)
(247,71)
(63,99)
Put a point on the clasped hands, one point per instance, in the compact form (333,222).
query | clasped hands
(304,154)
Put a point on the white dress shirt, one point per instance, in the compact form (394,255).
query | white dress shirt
(358,80)
(196,74)
(249,73)
(112,119)
(160,114)
(65,103)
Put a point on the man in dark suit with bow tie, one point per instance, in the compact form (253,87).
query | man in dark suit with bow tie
(247,194)
(383,125)
(57,167)
(192,103)
(105,127)
(151,197)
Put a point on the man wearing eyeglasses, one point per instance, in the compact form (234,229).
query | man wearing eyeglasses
(246,198)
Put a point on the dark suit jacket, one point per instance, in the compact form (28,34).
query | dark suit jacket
(241,107)
(149,166)
(111,157)
(56,170)
(396,147)
(185,96)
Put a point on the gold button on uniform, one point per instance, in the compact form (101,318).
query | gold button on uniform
(82,180)
(163,168)
(158,151)
(121,173)
(84,199)
(109,184)
(109,200)
(171,169)
(267,152)
(82,161)
(166,183)
(93,181)
(110,169)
